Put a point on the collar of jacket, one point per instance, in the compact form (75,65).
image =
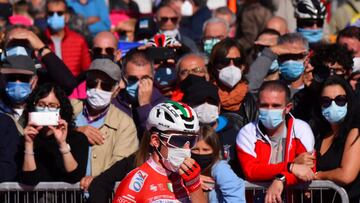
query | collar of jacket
(110,116)
(48,33)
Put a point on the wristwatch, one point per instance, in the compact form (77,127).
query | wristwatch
(42,49)
(281,177)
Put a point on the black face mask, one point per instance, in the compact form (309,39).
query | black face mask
(204,160)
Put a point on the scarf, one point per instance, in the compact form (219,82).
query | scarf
(231,100)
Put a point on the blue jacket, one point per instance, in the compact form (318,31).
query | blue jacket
(228,186)
(93,8)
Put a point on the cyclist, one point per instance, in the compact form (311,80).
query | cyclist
(167,173)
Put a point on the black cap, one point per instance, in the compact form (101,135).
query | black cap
(198,91)
(18,65)
(145,28)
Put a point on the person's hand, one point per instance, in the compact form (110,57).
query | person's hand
(269,41)
(93,135)
(319,176)
(145,91)
(85,182)
(305,158)
(30,132)
(273,193)
(60,132)
(92,19)
(190,173)
(303,172)
(207,182)
(287,48)
(34,40)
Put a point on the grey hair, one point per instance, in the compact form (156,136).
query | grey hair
(226,11)
(138,57)
(217,20)
(293,37)
(202,56)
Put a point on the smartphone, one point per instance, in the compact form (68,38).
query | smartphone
(44,118)
(160,53)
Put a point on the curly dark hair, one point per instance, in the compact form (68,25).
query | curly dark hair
(220,50)
(42,91)
(332,53)
(322,127)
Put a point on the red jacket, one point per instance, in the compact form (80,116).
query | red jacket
(254,149)
(74,51)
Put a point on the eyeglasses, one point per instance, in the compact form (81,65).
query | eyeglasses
(339,100)
(304,23)
(108,50)
(226,61)
(51,106)
(104,85)
(166,19)
(186,72)
(178,140)
(17,77)
(59,13)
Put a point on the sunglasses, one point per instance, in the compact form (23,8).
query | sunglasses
(59,13)
(310,23)
(226,61)
(339,100)
(106,86)
(177,140)
(17,77)
(108,50)
(166,19)
(197,70)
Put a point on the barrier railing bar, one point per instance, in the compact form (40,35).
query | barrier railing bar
(46,186)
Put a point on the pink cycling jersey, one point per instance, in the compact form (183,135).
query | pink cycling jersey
(151,183)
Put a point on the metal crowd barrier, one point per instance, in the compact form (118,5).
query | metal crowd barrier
(60,192)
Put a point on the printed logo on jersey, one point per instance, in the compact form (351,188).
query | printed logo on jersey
(170,187)
(138,180)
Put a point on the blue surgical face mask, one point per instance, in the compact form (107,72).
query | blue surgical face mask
(56,22)
(312,35)
(18,91)
(132,89)
(334,113)
(209,44)
(274,66)
(291,70)
(271,118)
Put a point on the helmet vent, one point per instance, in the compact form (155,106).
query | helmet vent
(169,118)
(187,126)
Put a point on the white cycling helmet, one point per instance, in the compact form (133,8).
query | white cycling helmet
(310,9)
(173,116)
(161,40)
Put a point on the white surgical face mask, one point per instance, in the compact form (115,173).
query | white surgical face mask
(207,113)
(356,66)
(230,75)
(175,158)
(98,99)
(186,9)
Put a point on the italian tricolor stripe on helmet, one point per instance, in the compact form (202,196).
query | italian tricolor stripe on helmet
(184,109)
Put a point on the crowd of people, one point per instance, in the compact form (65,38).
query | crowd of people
(183,104)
